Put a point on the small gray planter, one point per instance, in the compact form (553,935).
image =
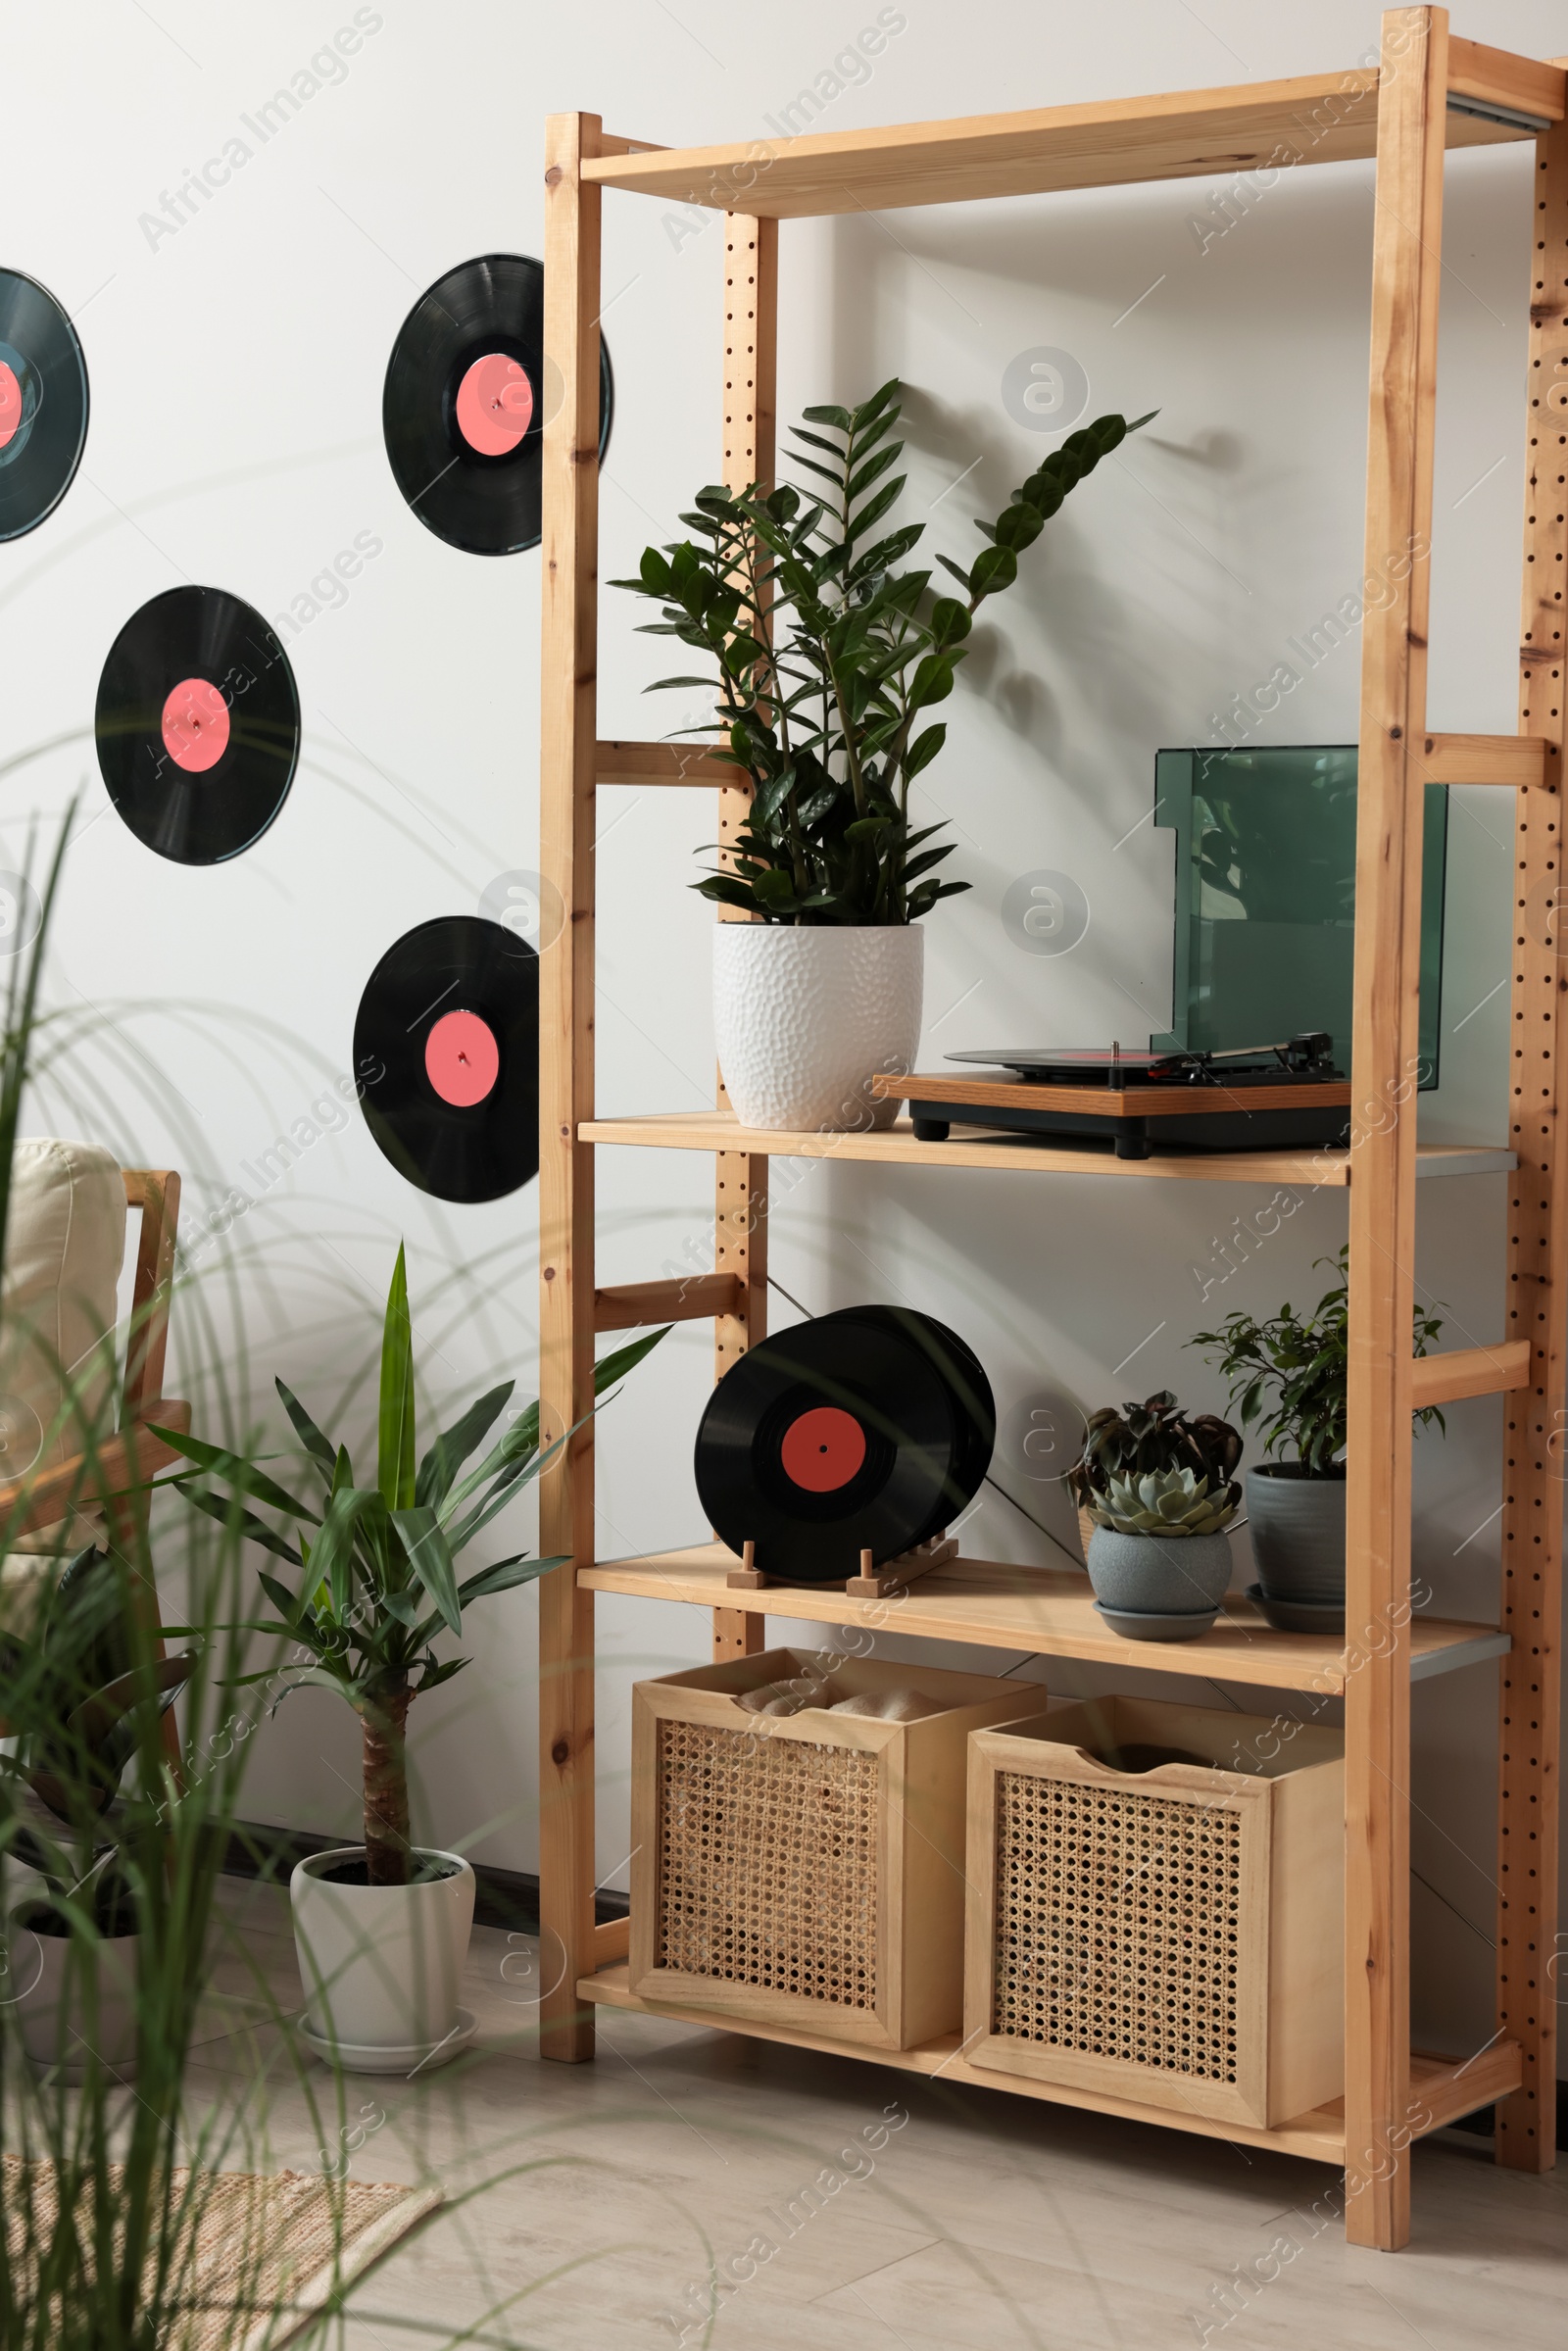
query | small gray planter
(1158,1575)
(1297,1530)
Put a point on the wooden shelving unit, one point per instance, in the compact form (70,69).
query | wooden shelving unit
(1430,92)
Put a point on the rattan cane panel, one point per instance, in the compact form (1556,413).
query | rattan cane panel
(768,1863)
(1119,1925)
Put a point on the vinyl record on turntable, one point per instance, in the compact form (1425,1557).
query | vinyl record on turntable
(447,1047)
(464,404)
(866,1430)
(43,404)
(197,725)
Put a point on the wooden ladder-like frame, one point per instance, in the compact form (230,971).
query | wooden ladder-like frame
(1420,70)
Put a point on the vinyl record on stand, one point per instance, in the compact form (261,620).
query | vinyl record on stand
(969,1392)
(198,725)
(446,1044)
(43,404)
(866,1430)
(464,407)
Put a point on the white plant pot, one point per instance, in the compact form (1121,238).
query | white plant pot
(805,1019)
(64,2017)
(381,1965)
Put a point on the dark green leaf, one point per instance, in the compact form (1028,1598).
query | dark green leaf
(395,1419)
(332,1551)
(451,1449)
(219,1462)
(282,1599)
(429,1554)
(923,750)
(228,1513)
(504,1573)
(875,508)
(311,1437)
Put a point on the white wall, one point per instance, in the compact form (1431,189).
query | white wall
(236,374)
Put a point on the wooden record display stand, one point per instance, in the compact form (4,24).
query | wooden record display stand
(1431,90)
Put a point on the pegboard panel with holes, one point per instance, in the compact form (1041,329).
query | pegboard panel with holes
(1169,1936)
(1536,1424)
(750,340)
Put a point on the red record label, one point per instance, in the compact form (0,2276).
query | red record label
(461,1058)
(10,403)
(823,1449)
(195,725)
(495,405)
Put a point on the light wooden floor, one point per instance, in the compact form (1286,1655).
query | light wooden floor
(977,2221)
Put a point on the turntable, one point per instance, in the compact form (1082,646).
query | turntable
(1254,1097)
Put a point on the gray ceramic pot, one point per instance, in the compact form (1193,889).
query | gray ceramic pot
(1297,1530)
(1158,1575)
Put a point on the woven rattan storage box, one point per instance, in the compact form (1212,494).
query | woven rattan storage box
(804,1868)
(1172,1935)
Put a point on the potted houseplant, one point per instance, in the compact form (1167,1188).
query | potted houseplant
(1292,1371)
(382,1928)
(824,658)
(74,1950)
(1157,1485)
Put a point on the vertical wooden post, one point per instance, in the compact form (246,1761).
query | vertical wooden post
(1536,1450)
(740,1196)
(1406,265)
(566,781)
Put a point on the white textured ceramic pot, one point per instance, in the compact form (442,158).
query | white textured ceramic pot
(74,1996)
(805,1019)
(381,1965)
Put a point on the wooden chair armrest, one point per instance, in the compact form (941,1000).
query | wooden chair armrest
(119,1464)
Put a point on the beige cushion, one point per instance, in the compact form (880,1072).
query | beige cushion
(64,1246)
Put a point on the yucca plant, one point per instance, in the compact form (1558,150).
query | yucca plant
(823,656)
(1165,1501)
(380,1581)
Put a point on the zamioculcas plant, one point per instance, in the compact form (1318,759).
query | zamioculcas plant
(380,1579)
(823,659)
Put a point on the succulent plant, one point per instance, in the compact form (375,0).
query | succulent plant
(1165,1501)
(1157,1434)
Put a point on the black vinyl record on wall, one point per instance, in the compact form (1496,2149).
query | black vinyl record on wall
(866,1429)
(43,404)
(462,411)
(197,725)
(446,1042)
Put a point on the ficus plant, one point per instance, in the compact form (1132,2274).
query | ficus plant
(825,659)
(380,1581)
(1291,1372)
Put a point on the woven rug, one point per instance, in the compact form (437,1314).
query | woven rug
(269,2248)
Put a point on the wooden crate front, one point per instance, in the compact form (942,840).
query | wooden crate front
(804,1868)
(1172,1935)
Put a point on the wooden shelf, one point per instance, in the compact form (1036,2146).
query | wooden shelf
(896,1147)
(1429,91)
(1045,1611)
(1440,2088)
(1181,134)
